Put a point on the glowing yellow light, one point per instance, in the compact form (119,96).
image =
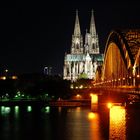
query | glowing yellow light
(138,76)
(3,77)
(109,105)
(81,87)
(91,115)
(78,95)
(94,98)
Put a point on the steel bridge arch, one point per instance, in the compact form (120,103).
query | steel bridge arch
(137,64)
(137,61)
(125,44)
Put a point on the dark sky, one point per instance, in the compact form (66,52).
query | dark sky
(35,34)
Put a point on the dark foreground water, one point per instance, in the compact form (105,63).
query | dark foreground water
(31,122)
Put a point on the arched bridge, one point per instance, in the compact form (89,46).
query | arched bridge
(120,72)
(121,67)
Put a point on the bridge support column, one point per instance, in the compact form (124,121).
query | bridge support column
(94,102)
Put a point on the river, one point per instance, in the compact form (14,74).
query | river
(71,123)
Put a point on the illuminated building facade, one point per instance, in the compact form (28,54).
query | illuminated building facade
(84,57)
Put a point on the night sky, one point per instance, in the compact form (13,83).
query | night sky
(35,34)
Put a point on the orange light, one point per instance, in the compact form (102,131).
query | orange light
(78,96)
(14,77)
(109,105)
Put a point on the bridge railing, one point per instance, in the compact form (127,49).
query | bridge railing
(121,82)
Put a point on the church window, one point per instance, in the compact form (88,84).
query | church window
(93,46)
(77,46)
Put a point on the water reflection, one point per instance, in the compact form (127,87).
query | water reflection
(47,109)
(29,108)
(2,110)
(59,109)
(91,115)
(116,123)
(117,129)
(16,110)
(5,110)
(94,126)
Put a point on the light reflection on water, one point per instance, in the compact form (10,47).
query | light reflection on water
(94,126)
(78,123)
(117,128)
(29,108)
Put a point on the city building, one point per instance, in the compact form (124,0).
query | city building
(84,57)
(47,70)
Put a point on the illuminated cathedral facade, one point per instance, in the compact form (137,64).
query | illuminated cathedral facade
(84,57)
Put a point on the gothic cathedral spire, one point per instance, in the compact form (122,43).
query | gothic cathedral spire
(82,61)
(92,24)
(77,30)
(77,40)
(94,45)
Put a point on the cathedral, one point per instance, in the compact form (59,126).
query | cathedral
(84,56)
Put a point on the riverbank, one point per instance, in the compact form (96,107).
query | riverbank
(63,103)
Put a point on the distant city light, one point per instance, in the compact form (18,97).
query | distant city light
(78,96)
(3,77)
(71,87)
(14,77)
(47,70)
(81,86)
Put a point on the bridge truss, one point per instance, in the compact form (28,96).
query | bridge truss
(121,59)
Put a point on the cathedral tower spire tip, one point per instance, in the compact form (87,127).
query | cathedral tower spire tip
(77,30)
(92,24)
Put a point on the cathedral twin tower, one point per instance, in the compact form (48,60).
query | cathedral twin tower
(84,57)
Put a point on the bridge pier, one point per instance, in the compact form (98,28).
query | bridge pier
(94,102)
